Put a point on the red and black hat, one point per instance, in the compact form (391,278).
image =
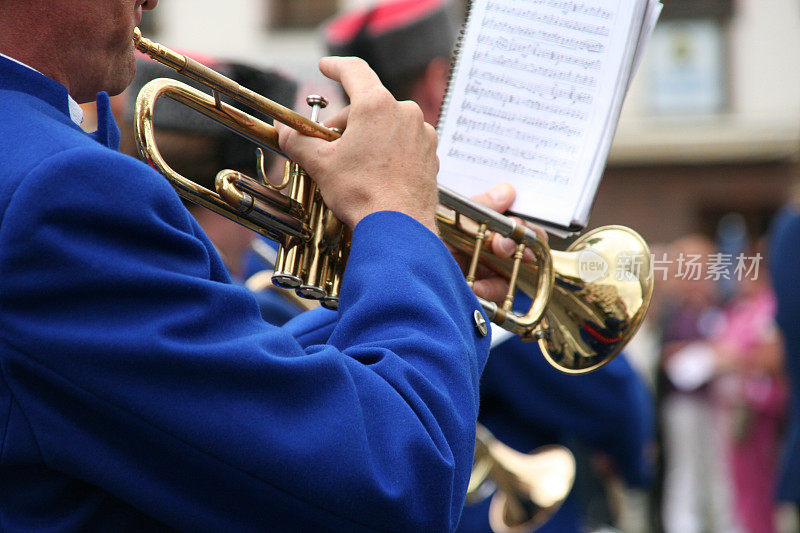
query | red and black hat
(398,38)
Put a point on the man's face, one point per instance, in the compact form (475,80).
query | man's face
(104,61)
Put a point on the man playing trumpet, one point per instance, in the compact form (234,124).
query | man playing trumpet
(140,389)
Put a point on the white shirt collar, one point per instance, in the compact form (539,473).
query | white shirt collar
(75,111)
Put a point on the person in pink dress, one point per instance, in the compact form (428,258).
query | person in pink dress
(752,394)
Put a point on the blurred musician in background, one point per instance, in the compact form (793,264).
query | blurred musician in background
(524,402)
(141,390)
(198,148)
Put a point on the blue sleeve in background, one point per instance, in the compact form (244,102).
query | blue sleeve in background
(784,258)
(527,403)
(609,410)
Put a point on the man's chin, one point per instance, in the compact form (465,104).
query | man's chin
(122,78)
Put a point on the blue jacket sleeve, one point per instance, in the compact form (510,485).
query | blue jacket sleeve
(528,403)
(142,371)
(313,327)
(609,410)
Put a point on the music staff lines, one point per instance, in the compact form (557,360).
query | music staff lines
(532,139)
(551,92)
(555,38)
(499,146)
(535,49)
(558,126)
(513,100)
(569,6)
(505,164)
(549,19)
(514,63)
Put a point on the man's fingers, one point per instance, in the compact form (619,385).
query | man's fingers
(504,247)
(539,231)
(493,289)
(299,147)
(294,144)
(498,198)
(339,120)
(353,73)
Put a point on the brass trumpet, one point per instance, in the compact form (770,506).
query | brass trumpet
(580,321)
(527,488)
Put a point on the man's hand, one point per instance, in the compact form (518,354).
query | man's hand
(385,159)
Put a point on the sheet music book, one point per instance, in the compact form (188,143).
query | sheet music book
(534,99)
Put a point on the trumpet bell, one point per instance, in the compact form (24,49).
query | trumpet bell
(598,292)
(603,286)
(529,487)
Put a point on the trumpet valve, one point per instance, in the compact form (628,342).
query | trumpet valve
(317,103)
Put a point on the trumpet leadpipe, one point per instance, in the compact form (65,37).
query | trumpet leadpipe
(224,85)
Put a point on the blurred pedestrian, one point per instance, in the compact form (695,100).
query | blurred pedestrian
(696,483)
(752,394)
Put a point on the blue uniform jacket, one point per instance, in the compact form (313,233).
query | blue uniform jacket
(784,261)
(527,403)
(140,389)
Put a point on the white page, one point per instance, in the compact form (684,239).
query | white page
(530,99)
(654,8)
(584,206)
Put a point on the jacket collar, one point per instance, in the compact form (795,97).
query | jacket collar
(15,76)
(107,132)
(75,111)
